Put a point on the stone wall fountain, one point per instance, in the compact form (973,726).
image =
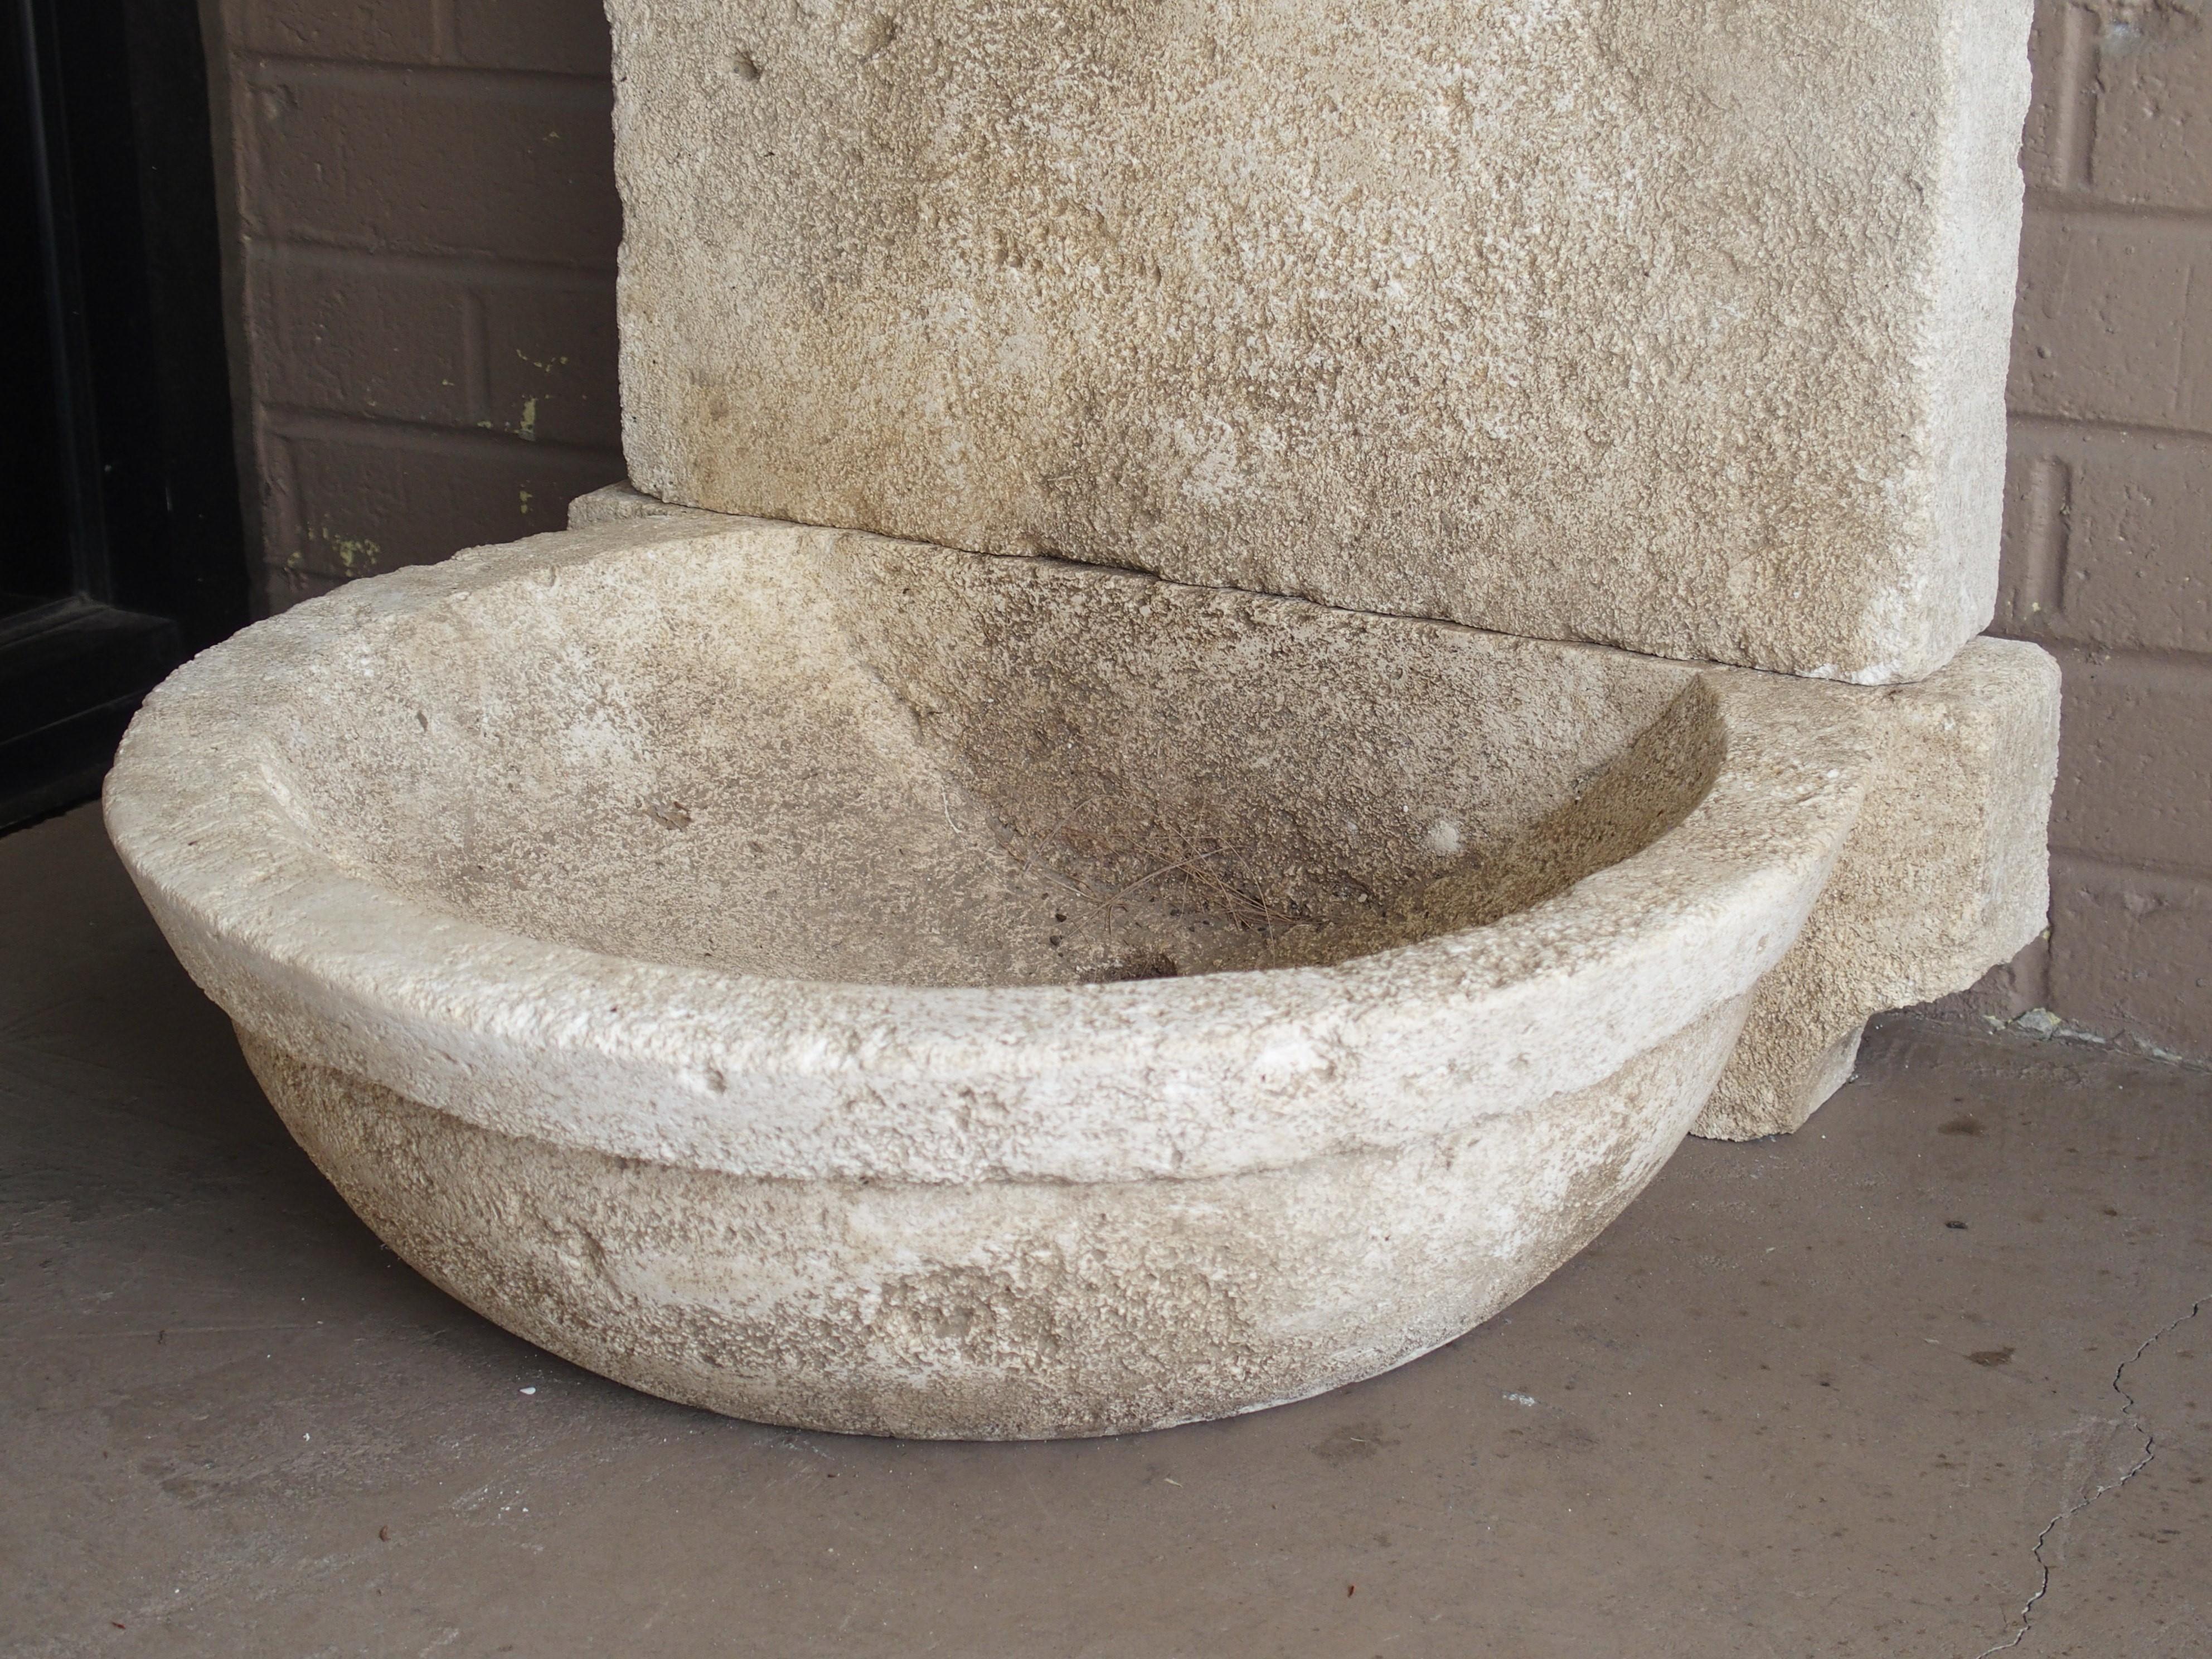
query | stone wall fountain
(1260,648)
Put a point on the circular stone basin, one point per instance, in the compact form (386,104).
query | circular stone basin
(854,985)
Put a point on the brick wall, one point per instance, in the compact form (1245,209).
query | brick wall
(2108,533)
(426,224)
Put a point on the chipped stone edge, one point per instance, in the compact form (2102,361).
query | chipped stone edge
(1945,875)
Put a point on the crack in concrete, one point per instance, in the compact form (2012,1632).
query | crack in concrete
(2129,1415)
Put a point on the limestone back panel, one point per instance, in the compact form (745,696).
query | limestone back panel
(1680,327)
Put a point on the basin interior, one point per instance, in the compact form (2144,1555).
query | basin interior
(831,756)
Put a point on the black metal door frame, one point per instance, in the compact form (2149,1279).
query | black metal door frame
(122,548)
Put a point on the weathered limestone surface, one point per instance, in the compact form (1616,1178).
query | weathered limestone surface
(1017,1309)
(1680,327)
(1945,874)
(812,975)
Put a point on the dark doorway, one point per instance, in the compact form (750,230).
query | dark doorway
(122,551)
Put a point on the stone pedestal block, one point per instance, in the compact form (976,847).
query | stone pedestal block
(1677,326)
(1945,874)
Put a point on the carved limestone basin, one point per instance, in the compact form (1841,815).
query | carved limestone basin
(850,984)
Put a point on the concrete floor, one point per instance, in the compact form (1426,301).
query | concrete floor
(1930,1367)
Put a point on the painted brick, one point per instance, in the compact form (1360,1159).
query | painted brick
(368,31)
(2008,990)
(357,335)
(2131,954)
(2108,522)
(378,500)
(2134,769)
(431,161)
(2115,320)
(568,36)
(2054,152)
(2108,538)
(549,352)
(282,589)
(2153,142)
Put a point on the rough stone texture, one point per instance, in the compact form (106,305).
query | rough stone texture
(233,1424)
(2107,556)
(828,958)
(1945,872)
(1017,1309)
(1679,327)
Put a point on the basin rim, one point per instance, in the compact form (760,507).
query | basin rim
(1179,1077)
